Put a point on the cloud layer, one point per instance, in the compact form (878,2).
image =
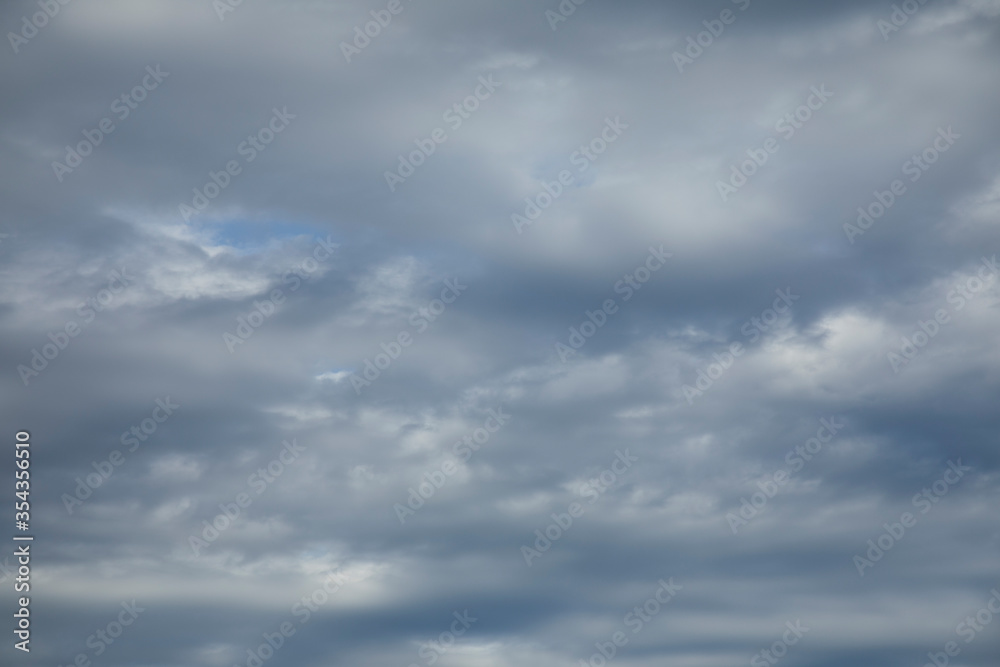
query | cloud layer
(617,327)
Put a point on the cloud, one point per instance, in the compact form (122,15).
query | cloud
(308,250)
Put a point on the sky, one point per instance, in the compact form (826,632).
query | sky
(491,334)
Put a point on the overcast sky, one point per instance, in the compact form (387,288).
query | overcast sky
(705,293)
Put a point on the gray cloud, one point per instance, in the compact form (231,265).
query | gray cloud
(321,183)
